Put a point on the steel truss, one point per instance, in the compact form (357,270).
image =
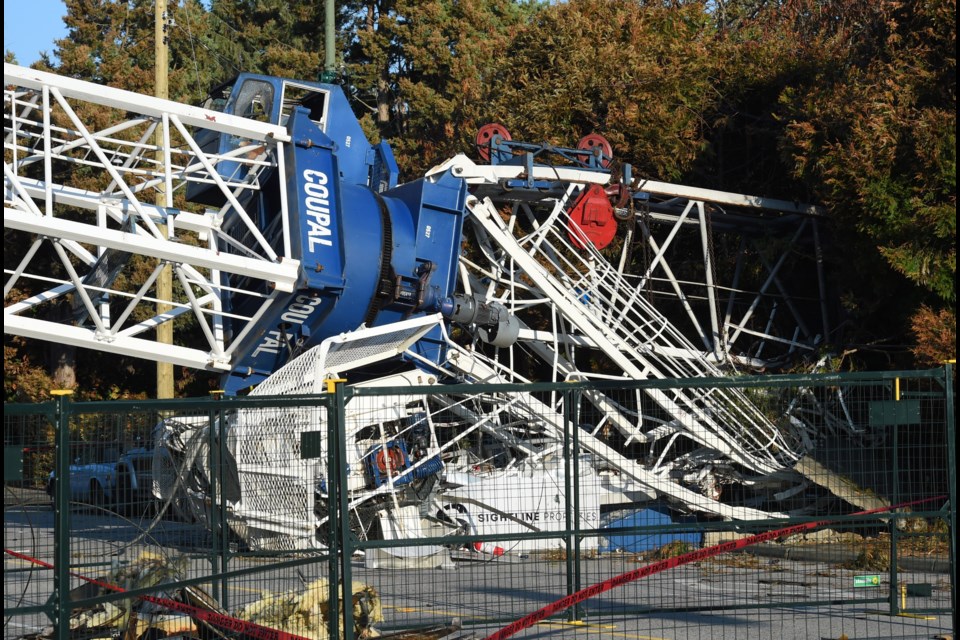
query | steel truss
(132,157)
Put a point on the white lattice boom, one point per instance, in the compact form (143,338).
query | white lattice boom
(137,150)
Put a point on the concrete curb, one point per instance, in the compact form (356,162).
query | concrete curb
(841,554)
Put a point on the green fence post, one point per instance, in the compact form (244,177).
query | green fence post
(571,486)
(223,538)
(568,542)
(61,517)
(577,537)
(213,464)
(333,508)
(343,506)
(895,520)
(951,427)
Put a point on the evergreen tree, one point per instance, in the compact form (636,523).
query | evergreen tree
(268,36)
(424,72)
(871,128)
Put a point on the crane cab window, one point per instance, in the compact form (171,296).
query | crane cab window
(297,95)
(255,100)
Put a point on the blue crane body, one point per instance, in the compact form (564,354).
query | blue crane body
(371,252)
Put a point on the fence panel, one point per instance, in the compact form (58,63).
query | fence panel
(489,511)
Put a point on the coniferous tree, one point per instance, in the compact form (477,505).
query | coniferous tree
(641,74)
(871,128)
(425,73)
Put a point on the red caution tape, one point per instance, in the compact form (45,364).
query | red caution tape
(217,619)
(670,563)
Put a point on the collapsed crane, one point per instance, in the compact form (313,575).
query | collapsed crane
(300,257)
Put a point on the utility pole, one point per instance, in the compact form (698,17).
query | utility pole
(329,42)
(165,280)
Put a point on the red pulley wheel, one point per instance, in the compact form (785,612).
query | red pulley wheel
(598,146)
(487,134)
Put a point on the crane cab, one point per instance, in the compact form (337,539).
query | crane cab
(271,99)
(371,253)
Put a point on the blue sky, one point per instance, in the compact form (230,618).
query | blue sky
(31,26)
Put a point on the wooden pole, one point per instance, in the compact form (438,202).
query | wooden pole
(165,280)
